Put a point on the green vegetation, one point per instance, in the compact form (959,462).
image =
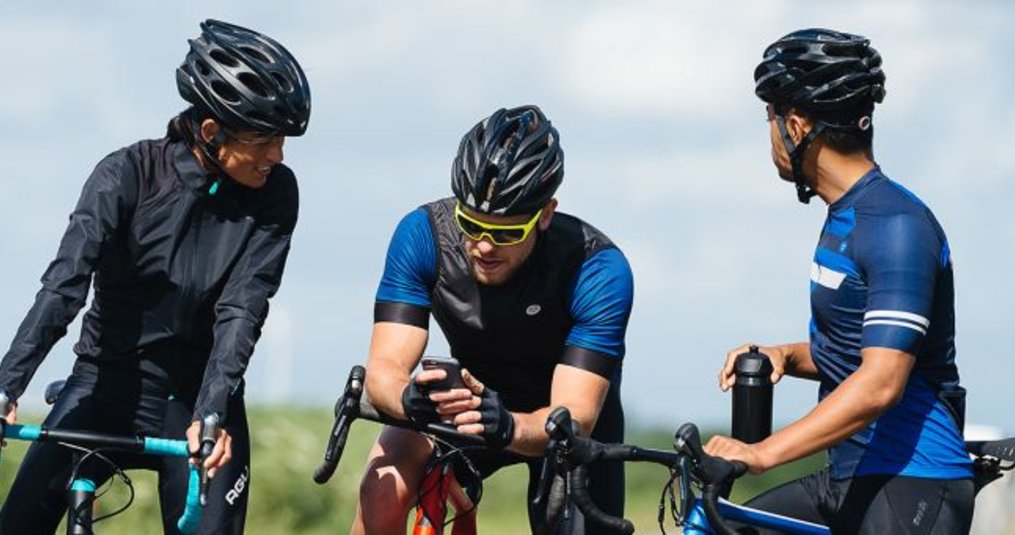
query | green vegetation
(288,444)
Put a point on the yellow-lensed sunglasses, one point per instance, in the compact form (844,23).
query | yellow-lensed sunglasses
(498,234)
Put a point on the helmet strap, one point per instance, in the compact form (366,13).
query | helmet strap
(209,151)
(796,153)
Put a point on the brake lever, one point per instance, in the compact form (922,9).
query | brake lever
(209,436)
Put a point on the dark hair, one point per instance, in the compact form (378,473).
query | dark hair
(181,126)
(849,141)
(843,141)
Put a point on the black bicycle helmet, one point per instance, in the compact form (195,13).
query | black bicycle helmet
(510,163)
(245,80)
(833,77)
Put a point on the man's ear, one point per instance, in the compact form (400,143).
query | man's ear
(798,125)
(547,215)
(209,129)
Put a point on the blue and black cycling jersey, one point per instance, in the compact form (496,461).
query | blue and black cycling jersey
(882,277)
(569,302)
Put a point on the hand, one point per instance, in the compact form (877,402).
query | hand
(12,416)
(486,414)
(220,455)
(779,356)
(420,404)
(10,419)
(733,450)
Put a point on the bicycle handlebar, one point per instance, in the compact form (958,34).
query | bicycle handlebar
(345,410)
(191,517)
(351,406)
(573,454)
(1002,450)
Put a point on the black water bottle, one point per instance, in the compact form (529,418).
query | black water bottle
(752,397)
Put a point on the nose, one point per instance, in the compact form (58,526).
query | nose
(485,245)
(274,153)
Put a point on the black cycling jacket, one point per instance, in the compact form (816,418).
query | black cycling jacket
(182,277)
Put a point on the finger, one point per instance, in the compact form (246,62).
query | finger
(455,394)
(430,376)
(471,429)
(193,443)
(216,454)
(727,377)
(470,381)
(458,406)
(778,370)
(467,418)
(227,454)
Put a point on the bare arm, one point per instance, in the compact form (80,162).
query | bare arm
(866,394)
(581,391)
(395,349)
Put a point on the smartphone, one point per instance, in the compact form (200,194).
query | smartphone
(451,368)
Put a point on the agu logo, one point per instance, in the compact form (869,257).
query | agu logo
(239,486)
(532,310)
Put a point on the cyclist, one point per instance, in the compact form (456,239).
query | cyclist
(186,237)
(882,329)
(534,304)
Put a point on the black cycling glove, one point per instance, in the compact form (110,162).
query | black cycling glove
(417,405)
(498,424)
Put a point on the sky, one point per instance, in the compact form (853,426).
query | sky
(666,147)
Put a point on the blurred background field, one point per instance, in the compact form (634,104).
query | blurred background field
(288,444)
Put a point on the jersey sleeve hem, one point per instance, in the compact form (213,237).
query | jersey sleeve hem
(405,313)
(601,364)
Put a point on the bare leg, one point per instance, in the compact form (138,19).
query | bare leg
(389,484)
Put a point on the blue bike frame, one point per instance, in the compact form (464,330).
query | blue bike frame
(697,524)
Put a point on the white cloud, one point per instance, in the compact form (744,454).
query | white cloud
(665,58)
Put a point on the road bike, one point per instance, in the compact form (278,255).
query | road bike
(449,476)
(91,447)
(565,475)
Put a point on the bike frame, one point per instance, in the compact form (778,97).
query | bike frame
(696,522)
(707,512)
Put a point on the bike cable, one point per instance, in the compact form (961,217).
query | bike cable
(117,471)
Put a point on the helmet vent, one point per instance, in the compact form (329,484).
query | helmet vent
(203,68)
(256,54)
(253,83)
(225,92)
(223,57)
(282,82)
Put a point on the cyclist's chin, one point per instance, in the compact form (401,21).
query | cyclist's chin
(493,276)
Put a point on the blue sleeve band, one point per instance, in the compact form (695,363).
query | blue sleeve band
(411,264)
(601,303)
